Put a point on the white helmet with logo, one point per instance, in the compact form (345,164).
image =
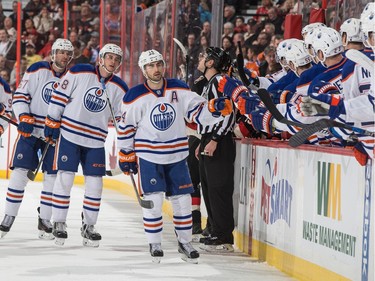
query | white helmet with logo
(311,27)
(352,28)
(282,49)
(149,57)
(329,42)
(61,44)
(368,28)
(369,9)
(111,48)
(297,54)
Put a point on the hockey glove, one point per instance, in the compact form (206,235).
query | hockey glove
(2,108)
(261,120)
(252,76)
(220,106)
(128,162)
(51,129)
(26,125)
(231,87)
(246,104)
(281,96)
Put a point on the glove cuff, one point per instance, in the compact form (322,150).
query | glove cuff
(126,156)
(27,118)
(52,123)
(237,92)
(267,122)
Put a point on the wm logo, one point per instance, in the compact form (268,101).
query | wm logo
(329,190)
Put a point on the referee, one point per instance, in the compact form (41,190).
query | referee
(216,158)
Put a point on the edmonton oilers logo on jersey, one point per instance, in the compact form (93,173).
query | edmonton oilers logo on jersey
(47,90)
(94,100)
(163,116)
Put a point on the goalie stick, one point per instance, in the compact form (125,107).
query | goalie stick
(300,137)
(361,59)
(148,204)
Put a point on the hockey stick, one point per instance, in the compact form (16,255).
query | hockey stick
(300,137)
(113,172)
(361,59)
(184,52)
(241,71)
(144,203)
(30,174)
(9,120)
(109,105)
(147,204)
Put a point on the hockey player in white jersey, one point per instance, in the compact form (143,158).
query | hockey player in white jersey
(5,105)
(153,139)
(30,102)
(80,109)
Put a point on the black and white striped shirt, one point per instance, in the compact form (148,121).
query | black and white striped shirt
(227,124)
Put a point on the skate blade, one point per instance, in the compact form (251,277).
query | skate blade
(90,243)
(225,248)
(45,236)
(195,238)
(3,233)
(189,260)
(156,259)
(60,241)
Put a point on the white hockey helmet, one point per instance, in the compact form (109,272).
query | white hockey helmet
(309,37)
(369,9)
(111,48)
(61,44)
(311,27)
(352,28)
(297,54)
(368,28)
(329,42)
(281,50)
(149,57)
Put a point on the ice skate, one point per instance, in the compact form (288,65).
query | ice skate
(215,245)
(90,236)
(59,231)
(156,252)
(6,225)
(188,253)
(45,228)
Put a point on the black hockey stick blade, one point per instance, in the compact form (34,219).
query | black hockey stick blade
(147,204)
(32,174)
(300,137)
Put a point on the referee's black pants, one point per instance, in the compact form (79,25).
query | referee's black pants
(217,173)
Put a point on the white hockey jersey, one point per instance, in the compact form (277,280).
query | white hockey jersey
(34,93)
(81,104)
(6,99)
(153,122)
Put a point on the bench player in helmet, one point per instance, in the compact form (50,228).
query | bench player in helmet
(153,130)
(80,110)
(30,103)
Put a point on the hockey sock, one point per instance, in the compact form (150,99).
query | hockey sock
(152,218)
(182,218)
(46,196)
(93,197)
(61,195)
(16,189)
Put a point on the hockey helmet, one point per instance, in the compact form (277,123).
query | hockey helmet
(368,29)
(282,49)
(111,48)
(222,60)
(61,44)
(352,28)
(329,42)
(369,9)
(311,27)
(297,54)
(149,56)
